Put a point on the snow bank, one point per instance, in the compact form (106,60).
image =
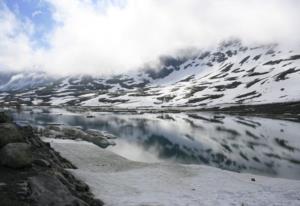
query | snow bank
(118,181)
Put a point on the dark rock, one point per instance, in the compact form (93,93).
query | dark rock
(23,190)
(247,94)
(9,133)
(283,75)
(42,163)
(90,116)
(48,190)
(244,60)
(46,182)
(4,118)
(101,142)
(97,202)
(253,179)
(16,155)
(81,187)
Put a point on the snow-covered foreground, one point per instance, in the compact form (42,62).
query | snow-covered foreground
(118,181)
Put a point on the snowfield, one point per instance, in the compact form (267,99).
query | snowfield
(230,74)
(119,182)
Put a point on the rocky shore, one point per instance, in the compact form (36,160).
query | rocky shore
(32,173)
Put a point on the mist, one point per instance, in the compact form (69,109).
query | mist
(110,37)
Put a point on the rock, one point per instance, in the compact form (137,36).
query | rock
(103,143)
(73,133)
(23,190)
(53,127)
(35,142)
(9,133)
(16,155)
(97,202)
(253,179)
(42,163)
(4,118)
(81,187)
(90,116)
(48,190)
(102,134)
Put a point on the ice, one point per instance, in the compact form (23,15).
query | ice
(118,181)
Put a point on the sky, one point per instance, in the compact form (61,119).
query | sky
(115,36)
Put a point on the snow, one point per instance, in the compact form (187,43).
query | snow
(271,91)
(118,181)
(61,100)
(206,71)
(25,80)
(88,95)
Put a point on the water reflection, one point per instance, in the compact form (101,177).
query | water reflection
(246,144)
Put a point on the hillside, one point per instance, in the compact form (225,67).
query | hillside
(231,74)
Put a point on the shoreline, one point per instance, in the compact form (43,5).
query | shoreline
(289,111)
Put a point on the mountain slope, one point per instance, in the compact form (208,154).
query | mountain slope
(229,75)
(23,81)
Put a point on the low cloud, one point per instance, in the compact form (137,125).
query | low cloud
(117,36)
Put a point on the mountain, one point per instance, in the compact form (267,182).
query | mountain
(231,74)
(23,81)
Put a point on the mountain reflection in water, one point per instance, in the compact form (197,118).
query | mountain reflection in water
(245,144)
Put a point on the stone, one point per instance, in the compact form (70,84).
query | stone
(9,133)
(42,163)
(16,155)
(48,190)
(4,118)
(73,133)
(101,142)
(97,202)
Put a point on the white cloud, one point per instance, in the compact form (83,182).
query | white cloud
(91,39)
(36,13)
(15,47)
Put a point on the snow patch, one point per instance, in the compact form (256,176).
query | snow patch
(118,181)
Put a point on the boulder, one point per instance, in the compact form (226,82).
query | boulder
(16,155)
(47,190)
(101,142)
(4,118)
(73,133)
(9,133)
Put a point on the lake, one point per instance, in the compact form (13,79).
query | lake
(237,143)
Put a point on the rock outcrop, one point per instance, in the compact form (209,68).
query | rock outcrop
(9,133)
(16,155)
(32,173)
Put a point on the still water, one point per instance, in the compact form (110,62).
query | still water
(243,144)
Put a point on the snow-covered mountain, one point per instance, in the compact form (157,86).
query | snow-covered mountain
(228,75)
(23,81)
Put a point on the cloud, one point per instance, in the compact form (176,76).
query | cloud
(15,48)
(36,13)
(101,37)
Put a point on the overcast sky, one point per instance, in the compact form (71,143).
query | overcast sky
(104,36)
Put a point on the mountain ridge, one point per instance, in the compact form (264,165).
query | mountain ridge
(232,74)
